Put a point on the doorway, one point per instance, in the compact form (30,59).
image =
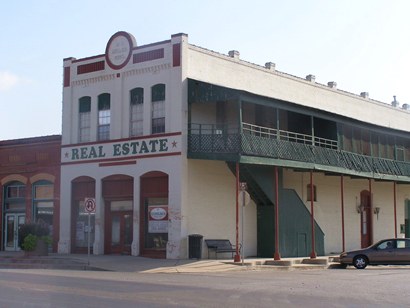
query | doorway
(12,224)
(365,218)
(119,227)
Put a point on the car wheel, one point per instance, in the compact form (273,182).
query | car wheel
(360,262)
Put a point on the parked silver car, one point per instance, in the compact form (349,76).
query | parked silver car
(385,252)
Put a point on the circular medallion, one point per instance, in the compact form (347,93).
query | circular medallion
(119,50)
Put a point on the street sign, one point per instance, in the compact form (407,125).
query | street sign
(244,197)
(89,205)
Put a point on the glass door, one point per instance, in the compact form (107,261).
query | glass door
(119,235)
(12,224)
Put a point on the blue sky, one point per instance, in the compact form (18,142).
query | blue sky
(363,45)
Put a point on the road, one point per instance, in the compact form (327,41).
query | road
(372,287)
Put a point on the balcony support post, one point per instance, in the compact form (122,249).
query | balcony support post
(312,217)
(237,257)
(276,256)
(342,211)
(395,208)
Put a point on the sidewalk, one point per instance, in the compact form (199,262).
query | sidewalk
(123,263)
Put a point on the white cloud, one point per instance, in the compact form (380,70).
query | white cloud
(7,80)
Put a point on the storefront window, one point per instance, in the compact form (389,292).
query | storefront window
(156,228)
(81,231)
(43,201)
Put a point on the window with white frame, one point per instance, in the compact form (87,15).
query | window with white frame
(136,111)
(158,108)
(104,116)
(84,121)
(43,203)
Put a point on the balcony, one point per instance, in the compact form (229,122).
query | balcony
(250,143)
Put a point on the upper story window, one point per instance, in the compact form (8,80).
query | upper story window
(136,111)
(158,108)
(104,116)
(84,121)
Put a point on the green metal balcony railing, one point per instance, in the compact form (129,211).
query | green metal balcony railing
(206,139)
(288,136)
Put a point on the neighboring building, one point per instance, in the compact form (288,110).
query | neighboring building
(161,136)
(30,186)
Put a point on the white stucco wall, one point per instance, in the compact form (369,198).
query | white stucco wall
(212,205)
(212,67)
(169,165)
(327,208)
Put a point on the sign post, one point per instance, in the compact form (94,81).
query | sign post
(245,199)
(89,206)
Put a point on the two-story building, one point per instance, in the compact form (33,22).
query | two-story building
(161,136)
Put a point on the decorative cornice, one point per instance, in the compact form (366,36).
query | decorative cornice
(88,81)
(155,69)
(151,69)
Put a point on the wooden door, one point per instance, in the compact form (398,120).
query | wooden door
(119,235)
(365,219)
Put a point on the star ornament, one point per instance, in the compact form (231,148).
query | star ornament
(174,144)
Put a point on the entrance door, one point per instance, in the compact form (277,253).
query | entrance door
(121,232)
(365,219)
(12,224)
(119,227)
(407,218)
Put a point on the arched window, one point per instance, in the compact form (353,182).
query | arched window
(14,197)
(158,108)
(84,119)
(136,111)
(104,116)
(43,203)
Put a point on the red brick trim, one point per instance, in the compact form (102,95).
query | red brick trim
(148,55)
(176,55)
(90,67)
(122,139)
(121,159)
(133,162)
(67,76)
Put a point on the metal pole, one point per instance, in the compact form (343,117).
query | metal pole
(370,208)
(237,257)
(312,218)
(276,255)
(395,211)
(343,212)
(243,224)
(88,246)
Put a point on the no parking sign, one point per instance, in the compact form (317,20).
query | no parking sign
(89,205)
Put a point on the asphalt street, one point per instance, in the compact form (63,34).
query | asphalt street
(373,287)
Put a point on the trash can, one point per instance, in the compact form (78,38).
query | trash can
(195,246)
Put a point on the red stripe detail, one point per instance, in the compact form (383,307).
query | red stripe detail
(156,136)
(176,55)
(90,67)
(122,158)
(148,55)
(67,76)
(133,162)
